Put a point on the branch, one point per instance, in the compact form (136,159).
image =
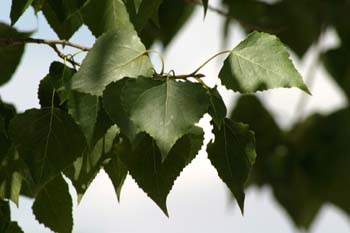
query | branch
(52,43)
(42,41)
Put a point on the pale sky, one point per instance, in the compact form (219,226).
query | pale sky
(199,201)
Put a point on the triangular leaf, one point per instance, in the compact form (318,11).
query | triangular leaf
(48,140)
(55,81)
(116,171)
(85,168)
(233,155)
(104,16)
(10,55)
(6,225)
(114,108)
(165,109)
(115,55)
(144,11)
(260,62)
(53,206)
(217,108)
(63,16)
(205,6)
(145,165)
(18,7)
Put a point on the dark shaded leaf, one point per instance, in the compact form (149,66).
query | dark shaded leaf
(48,140)
(114,108)
(116,171)
(233,155)
(18,7)
(55,81)
(165,109)
(172,17)
(63,16)
(104,16)
(10,55)
(86,167)
(11,176)
(337,62)
(53,206)
(269,137)
(145,165)
(217,108)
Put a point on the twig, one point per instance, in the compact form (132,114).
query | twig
(52,43)
(42,41)
(181,76)
(63,56)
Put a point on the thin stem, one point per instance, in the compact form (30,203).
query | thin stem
(207,61)
(63,56)
(42,41)
(160,57)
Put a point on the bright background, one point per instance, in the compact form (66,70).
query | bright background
(199,201)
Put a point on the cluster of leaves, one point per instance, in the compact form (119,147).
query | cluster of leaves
(306,165)
(115,113)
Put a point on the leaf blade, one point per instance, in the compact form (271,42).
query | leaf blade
(260,62)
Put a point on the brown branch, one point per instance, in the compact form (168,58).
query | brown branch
(181,76)
(42,41)
(52,43)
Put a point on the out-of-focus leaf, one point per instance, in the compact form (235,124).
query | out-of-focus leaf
(10,55)
(233,154)
(18,7)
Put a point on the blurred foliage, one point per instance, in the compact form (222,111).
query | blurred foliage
(306,166)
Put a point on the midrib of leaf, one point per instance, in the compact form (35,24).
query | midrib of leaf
(251,61)
(226,154)
(166,103)
(48,134)
(128,62)
(155,168)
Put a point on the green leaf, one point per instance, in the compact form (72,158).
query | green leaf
(55,81)
(84,109)
(205,6)
(6,225)
(53,206)
(217,108)
(63,16)
(10,55)
(18,7)
(233,155)
(165,109)
(116,171)
(48,140)
(173,15)
(260,62)
(11,176)
(337,62)
(269,137)
(145,11)
(115,109)
(85,168)
(115,55)
(104,16)
(145,165)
